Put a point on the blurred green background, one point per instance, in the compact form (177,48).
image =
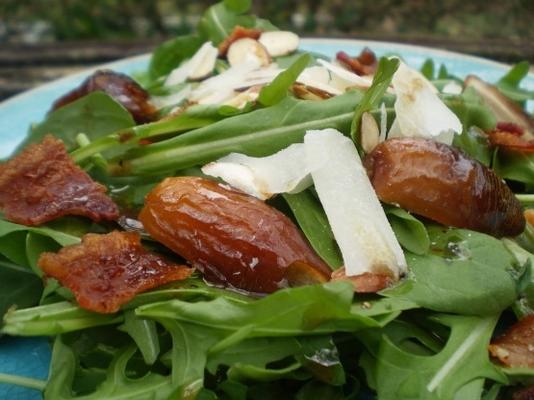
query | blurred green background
(41,40)
(49,20)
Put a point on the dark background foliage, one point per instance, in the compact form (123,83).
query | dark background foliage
(46,20)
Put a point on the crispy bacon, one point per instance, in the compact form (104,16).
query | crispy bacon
(516,347)
(511,141)
(364,64)
(119,86)
(42,183)
(239,32)
(365,283)
(106,271)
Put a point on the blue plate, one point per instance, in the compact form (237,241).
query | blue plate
(30,357)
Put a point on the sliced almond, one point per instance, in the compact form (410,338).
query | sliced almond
(279,43)
(305,92)
(370,133)
(243,50)
(505,110)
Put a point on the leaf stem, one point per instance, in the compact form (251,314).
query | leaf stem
(18,380)
(526,199)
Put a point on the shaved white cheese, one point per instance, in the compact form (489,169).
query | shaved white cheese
(263,177)
(222,88)
(346,78)
(172,99)
(199,66)
(359,224)
(319,78)
(419,111)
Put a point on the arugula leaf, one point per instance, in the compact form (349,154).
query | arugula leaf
(466,272)
(274,92)
(193,117)
(257,133)
(320,356)
(117,385)
(471,110)
(243,373)
(509,83)
(95,115)
(410,232)
(400,374)
(475,143)
(219,20)
(381,81)
(64,239)
(19,287)
(314,223)
(145,335)
(310,309)
(238,6)
(514,166)
(256,352)
(190,344)
(53,319)
(524,305)
(427,69)
(171,53)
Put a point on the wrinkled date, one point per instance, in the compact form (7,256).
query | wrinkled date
(233,238)
(442,183)
(119,86)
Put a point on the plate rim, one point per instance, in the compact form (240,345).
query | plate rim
(305,40)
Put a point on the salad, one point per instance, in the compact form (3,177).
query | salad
(245,220)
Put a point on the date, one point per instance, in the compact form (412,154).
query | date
(234,239)
(119,86)
(442,183)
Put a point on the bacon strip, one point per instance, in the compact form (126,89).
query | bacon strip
(239,32)
(516,347)
(364,64)
(119,86)
(42,183)
(510,140)
(106,271)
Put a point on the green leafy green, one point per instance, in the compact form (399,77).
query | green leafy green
(238,6)
(466,272)
(401,374)
(410,232)
(95,115)
(171,53)
(314,223)
(257,352)
(257,133)
(299,311)
(117,385)
(475,143)
(371,99)
(145,335)
(274,92)
(515,166)
(19,287)
(471,110)
(509,83)
(219,20)
(53,319)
